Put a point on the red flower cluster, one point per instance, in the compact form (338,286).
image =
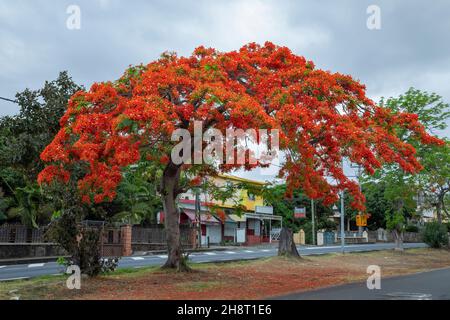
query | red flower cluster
(52,173)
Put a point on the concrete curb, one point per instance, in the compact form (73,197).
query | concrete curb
(13,261)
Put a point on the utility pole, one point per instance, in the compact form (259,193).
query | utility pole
(360,229)
(342,216)
(197,217)
(342,223)
(313,223)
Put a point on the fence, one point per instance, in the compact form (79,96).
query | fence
(16,233)
(382,235)
(111,242)
(412,237)
(275,234)
(157,235)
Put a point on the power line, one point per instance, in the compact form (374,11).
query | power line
(10,100)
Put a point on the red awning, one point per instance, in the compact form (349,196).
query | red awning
(205,218)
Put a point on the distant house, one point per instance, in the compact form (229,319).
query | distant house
(255,225)
(211,226)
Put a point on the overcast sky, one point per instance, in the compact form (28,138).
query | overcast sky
(412,48)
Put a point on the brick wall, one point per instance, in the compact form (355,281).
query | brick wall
(125,233)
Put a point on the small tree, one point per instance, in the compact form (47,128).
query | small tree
(22,139)
(435,235)
(396,223)
(391,189)
(434,181)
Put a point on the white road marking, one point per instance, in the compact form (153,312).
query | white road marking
(163,256)
(36,265)
(2,267)
(230,252)
(265,250)
(11,279)
(363,247)
(249,251)
(137,258)
(210,253)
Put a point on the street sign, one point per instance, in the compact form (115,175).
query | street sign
(300,212)
(264,209)
(361,220)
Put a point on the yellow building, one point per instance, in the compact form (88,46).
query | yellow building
(252,226)
(242,196)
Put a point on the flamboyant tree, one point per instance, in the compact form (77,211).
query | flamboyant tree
(321,116)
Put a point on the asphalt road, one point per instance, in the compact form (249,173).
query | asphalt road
(25,271)
(431,285)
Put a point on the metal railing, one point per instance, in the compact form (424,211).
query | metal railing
(351,234)
(275,234)
(17,233)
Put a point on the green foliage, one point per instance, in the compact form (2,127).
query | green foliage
(430,108)
(226,192)
(435,235)
(28,199)
(24,136)
(81,242)
(411,228)
(434,181)
(137,201)
(62,261)
(22,139)
(391,189)
(376,203)
(396,221)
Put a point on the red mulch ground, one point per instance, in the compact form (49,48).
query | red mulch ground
(248,280)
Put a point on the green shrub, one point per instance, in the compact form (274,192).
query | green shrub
(435,235)
(412,228)
(448,226)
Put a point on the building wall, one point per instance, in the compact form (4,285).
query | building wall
(214,232)
(240,196)
(229,230)
(255,226)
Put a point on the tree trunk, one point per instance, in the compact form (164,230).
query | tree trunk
(169,192)
(439,210)
(398,237)
(286,246)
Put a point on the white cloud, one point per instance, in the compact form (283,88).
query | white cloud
(241,22)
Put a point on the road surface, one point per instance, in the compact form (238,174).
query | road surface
(431,285)
(25,271)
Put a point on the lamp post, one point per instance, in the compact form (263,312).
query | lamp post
(342,223)
(198,217)
(342,216)
(313,223)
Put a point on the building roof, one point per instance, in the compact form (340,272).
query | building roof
(236,218)
(230,177)
(205,217)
